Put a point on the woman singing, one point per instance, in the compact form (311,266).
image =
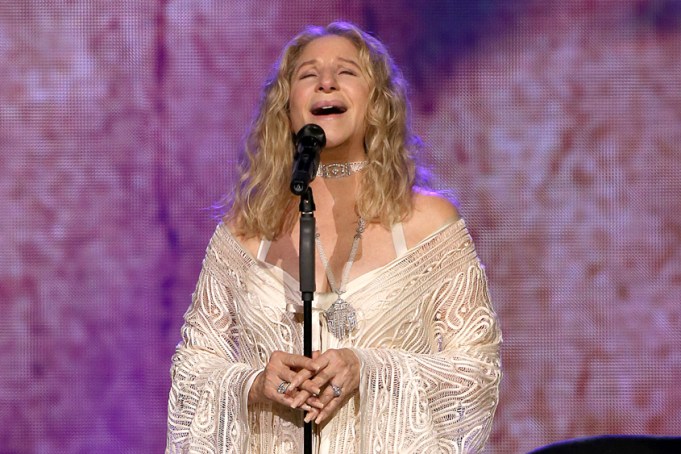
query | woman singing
(406,341)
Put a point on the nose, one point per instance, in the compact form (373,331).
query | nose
(327,82)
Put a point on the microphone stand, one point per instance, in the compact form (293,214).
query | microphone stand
(307,284)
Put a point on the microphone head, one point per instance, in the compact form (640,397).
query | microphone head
(311,135)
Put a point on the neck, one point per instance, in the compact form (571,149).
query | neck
(336,194)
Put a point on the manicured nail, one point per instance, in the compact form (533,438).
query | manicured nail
(308,418)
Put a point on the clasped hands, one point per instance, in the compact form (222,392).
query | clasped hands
(317,385)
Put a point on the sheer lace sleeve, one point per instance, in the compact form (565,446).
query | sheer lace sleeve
(439,396)
(207,408)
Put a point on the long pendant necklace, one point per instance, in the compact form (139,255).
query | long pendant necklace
(341,317)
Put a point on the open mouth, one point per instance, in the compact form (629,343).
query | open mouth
(328,110)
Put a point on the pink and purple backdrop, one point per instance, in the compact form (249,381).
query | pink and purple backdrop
(556,124)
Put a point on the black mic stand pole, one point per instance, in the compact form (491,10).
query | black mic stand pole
(307,283)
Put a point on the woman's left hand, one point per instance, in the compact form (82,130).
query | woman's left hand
(338,378)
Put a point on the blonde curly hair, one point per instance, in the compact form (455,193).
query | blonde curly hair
(262,204)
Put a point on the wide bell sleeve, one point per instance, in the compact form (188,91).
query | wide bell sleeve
(440,397)
(207,407)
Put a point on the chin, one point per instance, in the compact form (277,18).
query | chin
(335,140)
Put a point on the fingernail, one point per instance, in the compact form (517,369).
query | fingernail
(308,418)
(316,421)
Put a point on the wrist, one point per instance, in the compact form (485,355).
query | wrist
(254,392)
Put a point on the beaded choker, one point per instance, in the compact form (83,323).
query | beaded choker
(341,169)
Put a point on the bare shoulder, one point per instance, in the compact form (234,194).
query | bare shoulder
(434,207)
(431,212)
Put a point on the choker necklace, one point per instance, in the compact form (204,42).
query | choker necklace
(341,318)
(340,169)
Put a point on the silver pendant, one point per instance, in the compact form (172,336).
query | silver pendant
(341,318)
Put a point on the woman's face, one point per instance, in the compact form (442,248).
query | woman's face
(330,88)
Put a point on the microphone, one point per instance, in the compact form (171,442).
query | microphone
(309,143)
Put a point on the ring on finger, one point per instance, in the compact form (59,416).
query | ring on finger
(283,386)
(337,390)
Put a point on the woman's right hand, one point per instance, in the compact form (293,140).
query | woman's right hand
(281,369)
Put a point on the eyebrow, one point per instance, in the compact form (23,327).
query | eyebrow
(312,62)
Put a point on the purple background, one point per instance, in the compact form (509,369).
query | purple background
(556,124)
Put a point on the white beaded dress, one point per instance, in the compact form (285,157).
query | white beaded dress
(427,339)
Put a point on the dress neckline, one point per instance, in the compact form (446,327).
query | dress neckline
(355,283)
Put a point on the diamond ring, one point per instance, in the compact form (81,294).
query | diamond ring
(283,386)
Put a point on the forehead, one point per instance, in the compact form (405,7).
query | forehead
(328,48)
